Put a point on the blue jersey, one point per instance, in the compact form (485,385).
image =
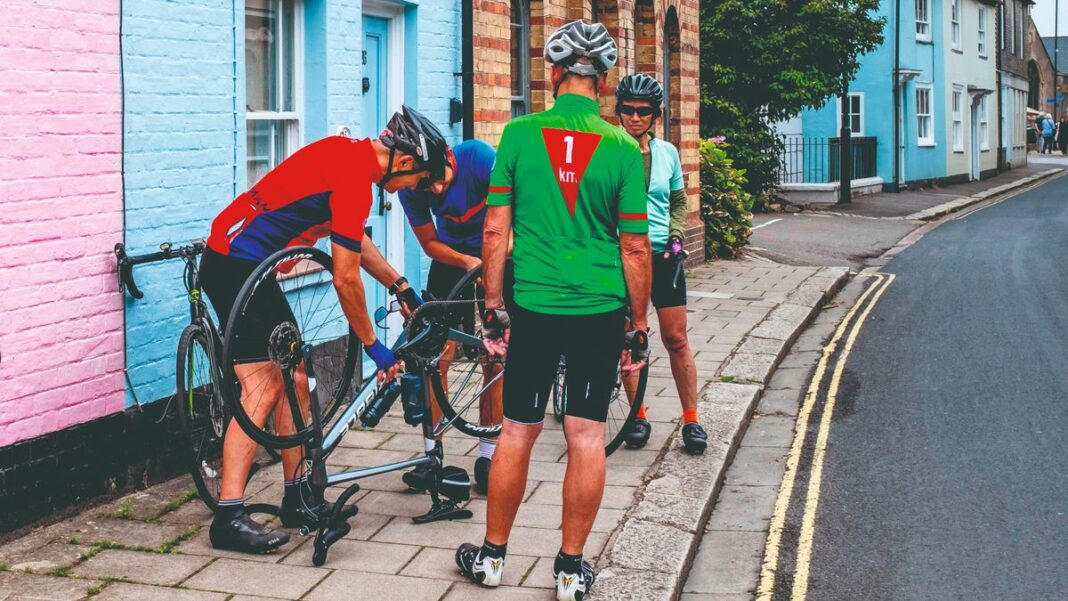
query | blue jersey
(459,212)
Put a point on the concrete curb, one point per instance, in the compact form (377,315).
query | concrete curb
(649,554)
(959,203)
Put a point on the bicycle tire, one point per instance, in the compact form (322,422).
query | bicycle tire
(311,261)
(202,411)
(615,439)
(448,405)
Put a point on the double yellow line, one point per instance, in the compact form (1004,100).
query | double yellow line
(768,570)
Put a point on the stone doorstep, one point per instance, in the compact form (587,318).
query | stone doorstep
(673,507)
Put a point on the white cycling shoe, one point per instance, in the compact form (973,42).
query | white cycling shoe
(484,571)
(574,587)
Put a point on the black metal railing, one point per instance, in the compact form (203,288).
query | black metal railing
(817,160)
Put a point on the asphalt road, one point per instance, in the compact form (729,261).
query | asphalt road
(814,238)
(946,474)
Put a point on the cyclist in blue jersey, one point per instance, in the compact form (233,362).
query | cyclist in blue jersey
(448,224)
(639,98)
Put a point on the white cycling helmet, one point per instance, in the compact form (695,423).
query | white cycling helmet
(579,40)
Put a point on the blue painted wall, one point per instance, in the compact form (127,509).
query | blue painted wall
(875,80)
(185,133)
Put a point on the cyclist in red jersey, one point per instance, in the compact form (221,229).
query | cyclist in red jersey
(324,189)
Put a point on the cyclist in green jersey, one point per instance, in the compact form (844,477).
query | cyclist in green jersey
(570,188)
(639,100)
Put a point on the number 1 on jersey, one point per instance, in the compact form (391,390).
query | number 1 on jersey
(569,141)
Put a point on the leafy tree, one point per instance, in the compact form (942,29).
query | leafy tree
(765,60)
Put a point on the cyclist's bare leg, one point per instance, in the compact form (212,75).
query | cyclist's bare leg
(508,477)
(490,406)
(261,389)
(292,458)
(583,480)
(683,369)
(443,366)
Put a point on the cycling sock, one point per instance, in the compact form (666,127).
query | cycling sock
(293,490)
(491,550)
(689,415)
(569,564)
(486,447)
(641,413)
(231,509)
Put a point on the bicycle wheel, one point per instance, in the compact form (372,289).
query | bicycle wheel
(621,411)
(560,391)
(466,376)
(287,315)
(202,413)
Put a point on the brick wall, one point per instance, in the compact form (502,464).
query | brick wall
(182,161)
(60,144)
(638,27)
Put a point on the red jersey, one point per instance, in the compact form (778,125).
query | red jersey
(324,189)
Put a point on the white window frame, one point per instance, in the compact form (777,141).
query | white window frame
(957,110)
(984,122)
(294,130)
(520,26)
(926,117)
(923,20)
(858,133)
(981,35)
(954,12)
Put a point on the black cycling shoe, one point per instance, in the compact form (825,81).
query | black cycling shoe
(482,472)
(638,434)
(694,438)
(243,534)
(297,514)
(418,479)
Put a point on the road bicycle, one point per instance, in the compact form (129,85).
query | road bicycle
(199,401)
(621,412)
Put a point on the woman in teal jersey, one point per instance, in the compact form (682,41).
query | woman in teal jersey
(639,99)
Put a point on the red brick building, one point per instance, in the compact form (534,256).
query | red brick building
(659,37)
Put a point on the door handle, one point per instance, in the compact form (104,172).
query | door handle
(388,205)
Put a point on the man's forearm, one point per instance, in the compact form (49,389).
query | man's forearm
(637,272)
(495,236)
(443,253)
(376,265)
(354,304)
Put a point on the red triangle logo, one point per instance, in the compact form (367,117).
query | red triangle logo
(569,154)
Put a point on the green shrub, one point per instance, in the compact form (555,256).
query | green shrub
(726,208)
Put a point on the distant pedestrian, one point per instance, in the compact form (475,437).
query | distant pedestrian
(1037,127)
(1049,130)
(1062,135)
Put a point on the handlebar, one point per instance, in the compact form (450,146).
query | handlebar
(680,264)
(166,251)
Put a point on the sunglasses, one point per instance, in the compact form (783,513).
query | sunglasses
(642,111)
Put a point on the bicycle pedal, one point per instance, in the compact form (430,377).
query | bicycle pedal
(445,510)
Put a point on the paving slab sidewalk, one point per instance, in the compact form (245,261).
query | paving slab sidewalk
(933,202)
(743,315)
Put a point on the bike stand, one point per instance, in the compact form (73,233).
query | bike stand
(443,509)
(334,526)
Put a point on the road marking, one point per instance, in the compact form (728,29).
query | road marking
(782,502)
(766,224)
(966,211)
(812,499)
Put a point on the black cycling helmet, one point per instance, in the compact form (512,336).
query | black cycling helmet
(639,86)
(409,132)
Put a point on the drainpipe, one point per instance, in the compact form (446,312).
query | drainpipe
(897,96)
(468,68)
(998,36)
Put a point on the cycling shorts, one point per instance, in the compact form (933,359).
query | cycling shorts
(665,293)
(221,278)
(591,345)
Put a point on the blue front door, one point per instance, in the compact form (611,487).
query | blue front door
(374,118)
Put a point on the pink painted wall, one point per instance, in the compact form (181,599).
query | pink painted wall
(60,215)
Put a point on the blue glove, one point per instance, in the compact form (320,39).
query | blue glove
(409,298)
(381,355)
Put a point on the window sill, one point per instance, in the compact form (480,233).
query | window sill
(958,50)
(925,143)
(926,40)
(958,151)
